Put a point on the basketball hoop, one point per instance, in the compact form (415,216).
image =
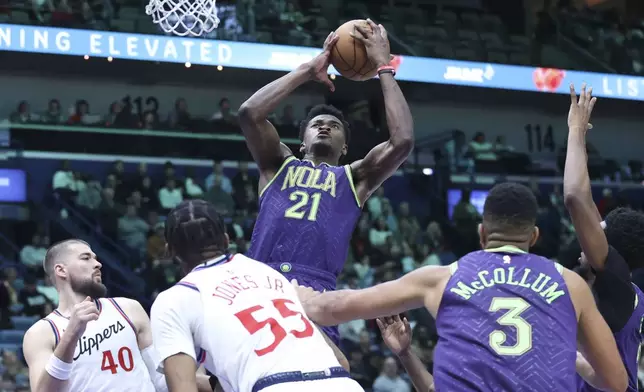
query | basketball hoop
(184,17)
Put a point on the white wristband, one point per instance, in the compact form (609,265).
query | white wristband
(58,369)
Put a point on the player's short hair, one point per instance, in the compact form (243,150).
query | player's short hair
(321,109)
(625,232)
(56,252)
(193,228)
(510,207)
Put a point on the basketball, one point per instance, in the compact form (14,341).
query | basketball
(349,56)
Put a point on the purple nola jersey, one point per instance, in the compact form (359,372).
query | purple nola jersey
(306,218)
(629,340)
(505,323)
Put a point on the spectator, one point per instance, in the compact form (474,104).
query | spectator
(82,116)
(32,300)
(388,215)
(191,188)
(221,199)
(22,114)
(133,230)
(91,196)
(151,121)
(53,115)
(481,149)
(389,380)
(136,200)
(109,211)
(218,172)
(14,369)
(156,243)
(180,117)
(364,272)
(164,274)
(49,291)
(33,255)
(374,204)
(247,200)
(9,282)
(5,303)
(64,178)
(379,233)
(149,196)
(40,8)
(170,196)
(225,113)
(242,178)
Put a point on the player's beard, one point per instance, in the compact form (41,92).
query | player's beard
(88,287)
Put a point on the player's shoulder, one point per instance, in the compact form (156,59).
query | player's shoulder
(42,332)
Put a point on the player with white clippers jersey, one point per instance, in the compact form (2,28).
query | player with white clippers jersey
(90,343)
(241,315)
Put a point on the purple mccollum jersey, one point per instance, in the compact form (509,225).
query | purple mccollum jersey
(306,218)
(628,340)
(505,323)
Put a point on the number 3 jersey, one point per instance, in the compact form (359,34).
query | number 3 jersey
(107,356)
(506,322)
(241,318)
(306,218)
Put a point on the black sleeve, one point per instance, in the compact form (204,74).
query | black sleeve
(614,290)
(213,380)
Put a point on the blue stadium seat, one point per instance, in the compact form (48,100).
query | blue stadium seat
(12,347)
(23,322)
(11,336)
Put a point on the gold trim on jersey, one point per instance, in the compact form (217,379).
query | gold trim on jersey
(277,173)
(347,170)
(453,267)
(506,249)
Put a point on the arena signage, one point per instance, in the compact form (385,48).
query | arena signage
(160,48)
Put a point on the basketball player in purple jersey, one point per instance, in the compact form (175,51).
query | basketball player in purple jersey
(507,320)
(309,207)
(611,249)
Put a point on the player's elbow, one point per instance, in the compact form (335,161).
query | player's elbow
(404,145)
(572,198)
(248,114)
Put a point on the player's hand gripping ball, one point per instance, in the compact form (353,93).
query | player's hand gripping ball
(361,49)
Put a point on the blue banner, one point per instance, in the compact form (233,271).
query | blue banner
(35,39)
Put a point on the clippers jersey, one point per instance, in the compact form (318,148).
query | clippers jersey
(306,218)
(240,299)
(107,356)
(506,323)
(629,340)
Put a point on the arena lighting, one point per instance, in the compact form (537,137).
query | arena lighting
(332,76)
(188,65)
(428,171)
(220,68)
(110,59)
(86,57)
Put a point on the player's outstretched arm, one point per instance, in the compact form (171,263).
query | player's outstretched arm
(577,193)
(613,286)
(413,290)
(261,136)
(51,365)
(596,341)
(396,334)
(384,159)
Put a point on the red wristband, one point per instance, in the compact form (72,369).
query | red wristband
(387,68)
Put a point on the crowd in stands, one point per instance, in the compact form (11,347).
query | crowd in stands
(480,31)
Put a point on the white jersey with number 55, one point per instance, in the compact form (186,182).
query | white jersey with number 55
(243,320)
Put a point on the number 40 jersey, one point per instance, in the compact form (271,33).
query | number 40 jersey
(244,321)
(306,218)
(506,322)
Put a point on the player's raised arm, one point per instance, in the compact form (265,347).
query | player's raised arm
(261,136)
(413,290)
(577,193)
(596,342)
(51,363)
(384,159)
(173,318)
(396,334)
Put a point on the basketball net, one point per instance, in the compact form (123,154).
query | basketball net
(184,17)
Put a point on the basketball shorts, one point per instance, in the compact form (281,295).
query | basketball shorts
(316,284)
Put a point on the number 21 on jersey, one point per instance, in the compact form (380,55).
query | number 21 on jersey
(254,325)
(304,205)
